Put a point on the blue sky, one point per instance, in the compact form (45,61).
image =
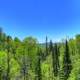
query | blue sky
(54,18)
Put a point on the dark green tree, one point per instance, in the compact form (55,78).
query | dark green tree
(67,66)
(55,58)
(1,32)
(0,73)
(50,46)
(46,46)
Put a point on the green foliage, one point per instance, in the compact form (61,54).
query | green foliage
(38,66)
(30,60)
(67,66)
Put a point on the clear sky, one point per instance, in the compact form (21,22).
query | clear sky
(54,18)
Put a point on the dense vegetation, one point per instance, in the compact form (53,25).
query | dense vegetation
(30,60)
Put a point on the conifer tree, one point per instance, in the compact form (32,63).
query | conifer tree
(50,46)
(55,58)
(67,66)
(46,46)
(1,31)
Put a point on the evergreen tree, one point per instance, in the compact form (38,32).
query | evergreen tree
(50,46)
(46,46)
(1,31)
(67,66)
(55,58)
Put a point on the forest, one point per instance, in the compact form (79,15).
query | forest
(30,60)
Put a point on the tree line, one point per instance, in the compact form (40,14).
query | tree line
(22,60)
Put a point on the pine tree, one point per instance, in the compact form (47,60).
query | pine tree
(46,46)
(67,66)
(55,58)
(1,31)
(50,46)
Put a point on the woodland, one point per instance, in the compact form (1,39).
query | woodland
(28,59)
